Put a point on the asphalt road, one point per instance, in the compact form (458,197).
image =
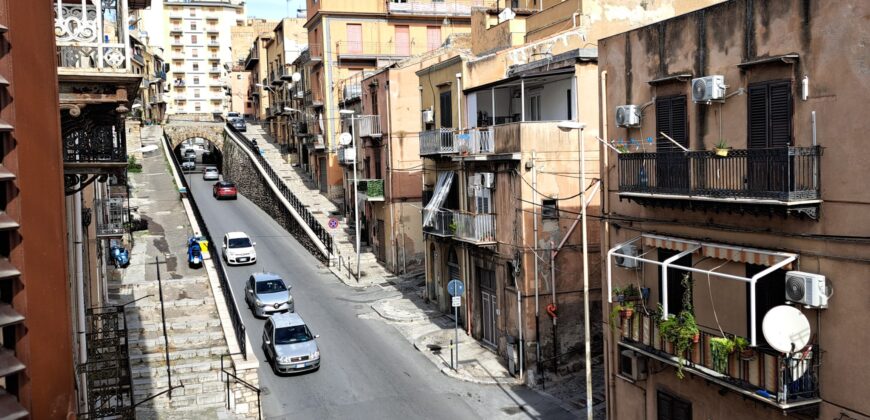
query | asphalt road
(368,370)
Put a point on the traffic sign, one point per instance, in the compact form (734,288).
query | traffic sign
(455,287)
(457,301)
(333,223)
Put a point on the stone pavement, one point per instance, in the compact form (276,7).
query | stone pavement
(421,323)
(344,266)
(196,340)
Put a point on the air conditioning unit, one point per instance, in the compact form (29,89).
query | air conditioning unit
(708,88)
(627,116)
(487,179)
(627,262)
(807,289)
(428,116)
(632,365)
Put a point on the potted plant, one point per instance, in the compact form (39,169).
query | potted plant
(721,349)
(721,148)
(681,330)
(741,345)
(452,227)
(622,310)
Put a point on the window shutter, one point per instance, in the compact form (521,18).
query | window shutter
(780,114)
(671,119)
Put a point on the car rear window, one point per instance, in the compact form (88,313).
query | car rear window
(271,286)
(240,243)
(211,169)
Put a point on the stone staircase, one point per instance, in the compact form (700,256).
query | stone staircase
(305,189)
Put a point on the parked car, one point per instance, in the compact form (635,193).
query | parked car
(239,124)
(266,294)
(190,153)
(210,173)
(289,345)
(188,165)
(239,249)
(224,189)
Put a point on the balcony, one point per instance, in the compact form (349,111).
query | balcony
(110,216)
(346,155)
(93,140)
(478,229)
(177,43)
(214,43)
(87,45)
(252,59)
(442,223)
(176,30)
(785,177)
(214,57)
(437,8)
(215,70)
(475,141)
(213,30)
(371,189)
(437,142)
(301,128)
(375,50)
(763,377)
(369,126)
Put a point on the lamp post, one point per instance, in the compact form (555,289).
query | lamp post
(355,186)
(570,126)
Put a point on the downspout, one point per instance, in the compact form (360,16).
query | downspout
(535,251)
(80,293)
(459,101)
(604,169)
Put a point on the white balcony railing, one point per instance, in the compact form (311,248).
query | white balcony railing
(475,141)
(451,8)
(474,228)
(442,222)
(437,142)
(89,37)
(369,125)
(346,155)
(110,215)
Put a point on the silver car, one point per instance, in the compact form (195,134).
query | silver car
(289,345)
(210,173)
(266,294)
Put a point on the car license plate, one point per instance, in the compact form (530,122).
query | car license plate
(243,259)
(300,366)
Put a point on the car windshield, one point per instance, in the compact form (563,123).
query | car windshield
(290,335)
(240,243)
(271,286)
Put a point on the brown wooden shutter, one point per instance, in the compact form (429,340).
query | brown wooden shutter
(671,119)
(757,117)
(769,116)
(780,114)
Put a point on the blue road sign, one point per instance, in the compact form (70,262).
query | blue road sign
(455,287)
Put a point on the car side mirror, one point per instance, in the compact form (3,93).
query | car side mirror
(289,287)
(224,246)
(253,244)
(268,341)
(316,335)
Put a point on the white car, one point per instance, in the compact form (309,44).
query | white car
(239,249)
(210,173)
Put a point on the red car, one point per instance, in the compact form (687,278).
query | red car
(224,189)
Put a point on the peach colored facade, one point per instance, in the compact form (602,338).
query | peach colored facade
(793,187)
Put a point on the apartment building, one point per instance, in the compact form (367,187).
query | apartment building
(346,37)
(290,38)
(240,79)
(507,169)
(94,151)
(147,62)
(198,41)
(738,196)
(36,355)
(258,88)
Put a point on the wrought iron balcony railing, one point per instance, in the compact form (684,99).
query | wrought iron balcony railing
(475,141)
(85,42)
(437,142)
(110,217)
(477,228)
(782,175)
(784,381)
(369,125)
(442,222)
(372,189)
(95,138)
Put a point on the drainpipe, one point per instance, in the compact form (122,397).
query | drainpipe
(523,100)
(535,250)
(459,101)
(80,293)
(388,130)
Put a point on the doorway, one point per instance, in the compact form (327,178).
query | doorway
(488,305)
(322,166)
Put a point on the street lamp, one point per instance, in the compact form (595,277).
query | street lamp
(355,186)
(571,126)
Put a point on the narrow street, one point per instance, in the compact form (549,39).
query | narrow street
(369,370)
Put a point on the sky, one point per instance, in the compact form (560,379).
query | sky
(272,9)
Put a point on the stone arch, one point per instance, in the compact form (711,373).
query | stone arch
(213,132)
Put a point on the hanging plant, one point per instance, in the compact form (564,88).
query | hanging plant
(681,330)
(721,349)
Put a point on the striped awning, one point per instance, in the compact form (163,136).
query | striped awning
(719,251)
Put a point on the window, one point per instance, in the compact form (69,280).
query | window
(194,53)
(446,109)
(196,80)
(403,40)
(197,108)
(535,107)
(354,38)
(195,67)
(192,26)
(675,278)
(196,93)
(670,407)
(769,133)
(550,209)
(433,37)
(193,39)
(570,102)
(769,292)
(192,11)
(672,165)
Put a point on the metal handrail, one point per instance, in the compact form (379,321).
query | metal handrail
(241,381)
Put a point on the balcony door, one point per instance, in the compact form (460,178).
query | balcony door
(403,40)
(446,109)
(433,37)
(769,292)
(354,38)
(488,305)
(675,277)
(769,135)
(672,165)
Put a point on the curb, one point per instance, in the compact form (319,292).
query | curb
(449,372)
(397,319)
(562,404)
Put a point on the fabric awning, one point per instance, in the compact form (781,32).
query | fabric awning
(719,251)
(442,188)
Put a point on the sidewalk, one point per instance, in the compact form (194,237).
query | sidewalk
(425,327)
(195,338)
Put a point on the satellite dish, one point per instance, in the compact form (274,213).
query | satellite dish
(296,77)
(345,139)
(786,329)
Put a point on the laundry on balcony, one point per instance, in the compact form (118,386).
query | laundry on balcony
(442,188)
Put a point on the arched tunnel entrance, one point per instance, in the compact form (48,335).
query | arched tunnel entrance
(201,151)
